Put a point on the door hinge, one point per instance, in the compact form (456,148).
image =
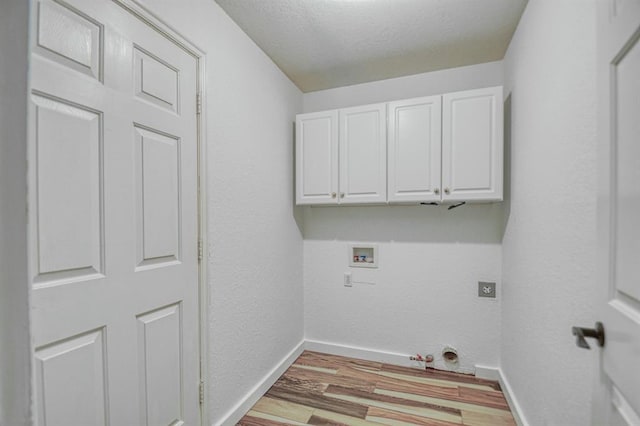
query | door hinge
(198,103)
(200,250)
(201,392)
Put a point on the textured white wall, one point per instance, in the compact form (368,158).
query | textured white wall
(255,264)
(426,84)
(549,244)
(425,292)
(15,343)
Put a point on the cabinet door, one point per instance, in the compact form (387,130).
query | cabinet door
(472,145)
(363,154)
(317,158)
(414,149)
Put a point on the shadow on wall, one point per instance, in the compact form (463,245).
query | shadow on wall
(472,223)
(506,204)
(298,214)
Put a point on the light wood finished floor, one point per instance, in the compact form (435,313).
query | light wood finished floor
(321,389)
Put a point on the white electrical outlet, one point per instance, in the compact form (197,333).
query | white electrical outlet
(347,279)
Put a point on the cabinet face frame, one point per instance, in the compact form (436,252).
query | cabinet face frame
(363,154)
(317,185)
(414,150)
(472,145)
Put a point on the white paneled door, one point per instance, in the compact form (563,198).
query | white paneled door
(617,397)
(113,214)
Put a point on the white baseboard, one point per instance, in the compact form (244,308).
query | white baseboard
(374,355)
(240,409)
(493,373)
(361,353)
(489,373)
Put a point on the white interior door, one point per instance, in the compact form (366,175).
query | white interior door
(113,219)
(363,154)
(617,396)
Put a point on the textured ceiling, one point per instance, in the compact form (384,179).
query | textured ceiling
(322,44)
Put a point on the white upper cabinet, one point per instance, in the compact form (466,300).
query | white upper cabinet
(472,145)
(414,144)
(438,149)
(363,154)
(341,156)
(317,158)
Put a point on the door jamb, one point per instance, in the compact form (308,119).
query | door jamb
(157,23)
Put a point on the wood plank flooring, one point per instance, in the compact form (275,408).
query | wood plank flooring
(321,389)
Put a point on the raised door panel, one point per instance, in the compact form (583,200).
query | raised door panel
(160,366)
(71,382)
(472,145)
(363,155)
(414,150)
(156,81)
(68,192)
(158,174)
(69,37)
(317,158)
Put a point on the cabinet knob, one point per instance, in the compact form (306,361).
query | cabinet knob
(342,195)
(446,191)
(436,191)
(333,195)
